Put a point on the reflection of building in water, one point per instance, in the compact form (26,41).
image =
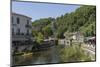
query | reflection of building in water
(21,29)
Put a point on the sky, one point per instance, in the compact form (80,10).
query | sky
(42,10)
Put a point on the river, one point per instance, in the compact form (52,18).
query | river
(49,55)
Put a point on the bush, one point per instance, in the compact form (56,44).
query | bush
(39,38)
(72,54)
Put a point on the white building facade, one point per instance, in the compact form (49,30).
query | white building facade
(21,27)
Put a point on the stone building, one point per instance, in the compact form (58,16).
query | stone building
(74,37)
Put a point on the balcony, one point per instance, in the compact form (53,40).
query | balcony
(21,37)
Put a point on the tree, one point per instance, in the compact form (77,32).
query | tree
(82,19)
(34,33)
(39,38)
(47,31)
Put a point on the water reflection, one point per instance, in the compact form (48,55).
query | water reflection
(54,54)
(49,55)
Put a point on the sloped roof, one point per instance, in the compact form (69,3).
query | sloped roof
(21,15)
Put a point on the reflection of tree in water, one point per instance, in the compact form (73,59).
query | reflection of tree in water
(45,56)
(53,54)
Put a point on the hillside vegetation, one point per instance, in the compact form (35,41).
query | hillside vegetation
(82,19)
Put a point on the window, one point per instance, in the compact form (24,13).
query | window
(27,22)
(12,19)
(27,31)
(18,20)
(12,31)
(27,25)
(18,31)
(22,33)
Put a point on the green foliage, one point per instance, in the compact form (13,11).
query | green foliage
(82,19)
(34,33)
(88,30)
(47,31)
(39,38)
(43,26)
(72,54)
(41,23)
(74,21)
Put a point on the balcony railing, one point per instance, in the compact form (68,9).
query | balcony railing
(21,37)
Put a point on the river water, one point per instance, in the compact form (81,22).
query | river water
(53,54)
(49,55)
